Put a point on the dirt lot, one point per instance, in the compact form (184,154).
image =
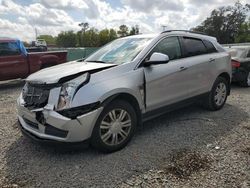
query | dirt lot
(190,147)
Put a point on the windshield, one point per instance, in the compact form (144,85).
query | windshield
(119,51)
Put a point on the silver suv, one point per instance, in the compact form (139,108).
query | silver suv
(104,98)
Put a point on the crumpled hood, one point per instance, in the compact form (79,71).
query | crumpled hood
(54,74)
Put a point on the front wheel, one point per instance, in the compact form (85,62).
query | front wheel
(115,126)
(217,97)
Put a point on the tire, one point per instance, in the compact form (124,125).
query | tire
(246,81)
(215,101)
(115,126)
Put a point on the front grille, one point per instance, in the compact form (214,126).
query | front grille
(35,96)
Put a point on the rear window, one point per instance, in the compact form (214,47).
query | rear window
(210,47)
(194,47)
(9,49)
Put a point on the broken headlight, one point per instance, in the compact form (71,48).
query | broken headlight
(68,91)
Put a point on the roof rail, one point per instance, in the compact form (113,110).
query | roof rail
(187,31)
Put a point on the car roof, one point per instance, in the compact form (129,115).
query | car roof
(190,34)
(176,32)
(7,39)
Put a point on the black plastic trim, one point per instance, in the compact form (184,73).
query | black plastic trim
(73,113)
(187,31)
(168,108)
(53,131)
(31,124)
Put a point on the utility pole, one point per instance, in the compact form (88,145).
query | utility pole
(36,33)
(164,27)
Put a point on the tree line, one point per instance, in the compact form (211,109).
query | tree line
(89,37)
(229,24)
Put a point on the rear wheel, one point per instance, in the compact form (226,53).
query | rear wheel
(115,126)
(246,81)
(217,97)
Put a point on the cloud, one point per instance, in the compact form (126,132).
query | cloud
(54,16)
(149,6)
(102,15)
(7,6)
(8,29)
(65,4)
(46,20)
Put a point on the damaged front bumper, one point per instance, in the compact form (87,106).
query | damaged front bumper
(47,124)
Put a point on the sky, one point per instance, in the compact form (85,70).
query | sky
(20,18)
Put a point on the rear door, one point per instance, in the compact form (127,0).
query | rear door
(12,62)
(200,58)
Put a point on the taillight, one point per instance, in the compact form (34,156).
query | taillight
(235,64)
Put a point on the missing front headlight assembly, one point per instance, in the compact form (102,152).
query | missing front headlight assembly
(69,89)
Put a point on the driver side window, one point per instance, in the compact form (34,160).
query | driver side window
(169,46)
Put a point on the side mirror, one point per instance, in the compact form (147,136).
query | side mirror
(156,59)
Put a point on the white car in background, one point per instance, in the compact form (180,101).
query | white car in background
(40,43)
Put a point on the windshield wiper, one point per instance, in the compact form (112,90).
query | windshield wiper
(96,61)
(81,60)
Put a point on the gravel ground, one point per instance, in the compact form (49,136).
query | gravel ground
(190,147)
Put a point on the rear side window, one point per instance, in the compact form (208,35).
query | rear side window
(169,46)
(210,47)
(9,49)
(194,47)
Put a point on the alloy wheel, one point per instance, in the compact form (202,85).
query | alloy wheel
(220,94)
(115,127)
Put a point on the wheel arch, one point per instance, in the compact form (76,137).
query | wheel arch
(228,78)
(128,98)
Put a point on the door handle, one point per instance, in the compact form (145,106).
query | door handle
(211,60)
(183,68)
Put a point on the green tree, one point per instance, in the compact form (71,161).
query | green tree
(224,23)
(244,33)
(107,35)
(123,31)
(134,30)
(84,26)
(66,39)
(50,40)
(112,35)
(104,36)
(79,37)
(91,38)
